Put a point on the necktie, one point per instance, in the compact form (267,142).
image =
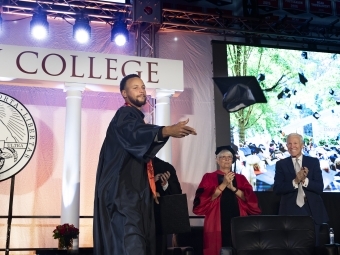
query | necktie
(151,177)
(300,201)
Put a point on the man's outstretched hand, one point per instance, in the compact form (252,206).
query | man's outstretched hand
(179,130)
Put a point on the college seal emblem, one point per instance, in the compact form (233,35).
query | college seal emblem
(18,136)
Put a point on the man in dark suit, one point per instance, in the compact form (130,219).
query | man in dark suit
(298,180)
(166,184)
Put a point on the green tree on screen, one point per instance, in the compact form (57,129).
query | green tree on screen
(281,67)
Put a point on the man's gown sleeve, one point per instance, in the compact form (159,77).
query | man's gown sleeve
(135,136)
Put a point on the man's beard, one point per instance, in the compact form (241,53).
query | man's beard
(138,103)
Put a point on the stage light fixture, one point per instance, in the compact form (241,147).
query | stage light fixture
(261,77)
(304,55)
(119,33)
(331,91)
(117,1)
(294,91)
(220,2)
(82,29)
(302,78)
(39,25)
(316,115)
(286,116)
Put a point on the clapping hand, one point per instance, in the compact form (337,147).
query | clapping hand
(301,175)
(228,180)
(164,177)
(305,173)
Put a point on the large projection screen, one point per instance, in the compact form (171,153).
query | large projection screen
(305,99)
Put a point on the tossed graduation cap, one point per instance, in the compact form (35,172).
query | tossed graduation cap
(239,92)
(302,78)
(284,93)
(304,55)
(261,77)
(316,115)
(298,106)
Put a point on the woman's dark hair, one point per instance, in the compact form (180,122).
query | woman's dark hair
(124,80)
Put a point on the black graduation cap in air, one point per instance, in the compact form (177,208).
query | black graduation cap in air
(239,92)
(302,78)
(298,106)
(284,93)
(261,77)
(316,115)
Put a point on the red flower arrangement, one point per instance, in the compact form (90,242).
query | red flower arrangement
(65,233)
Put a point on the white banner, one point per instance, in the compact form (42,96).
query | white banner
(41,64)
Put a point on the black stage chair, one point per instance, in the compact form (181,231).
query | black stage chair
(277,235)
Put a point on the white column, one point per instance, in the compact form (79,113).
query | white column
(163,118)
(70,200)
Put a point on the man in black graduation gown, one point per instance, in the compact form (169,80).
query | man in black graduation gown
(123,222)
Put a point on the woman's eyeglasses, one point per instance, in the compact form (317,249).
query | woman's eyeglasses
(226,157)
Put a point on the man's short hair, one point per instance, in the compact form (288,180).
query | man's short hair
(124,80)
(296,135)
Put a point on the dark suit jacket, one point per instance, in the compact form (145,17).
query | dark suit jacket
(284,175)
(174,187)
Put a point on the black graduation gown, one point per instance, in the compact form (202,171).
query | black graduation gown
(123,222)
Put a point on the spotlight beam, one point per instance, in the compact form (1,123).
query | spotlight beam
(39,25)
(82,29)
(119,32)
